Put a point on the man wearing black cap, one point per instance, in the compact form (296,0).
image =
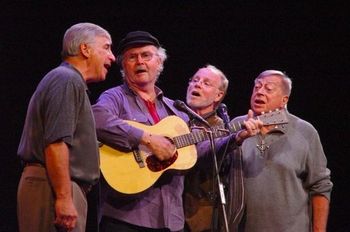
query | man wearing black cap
(159,207)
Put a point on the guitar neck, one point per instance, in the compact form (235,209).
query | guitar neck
(272,118)
(203,134)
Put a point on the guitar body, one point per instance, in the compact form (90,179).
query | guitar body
(129,173)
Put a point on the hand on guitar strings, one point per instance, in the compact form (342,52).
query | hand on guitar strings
(163,148)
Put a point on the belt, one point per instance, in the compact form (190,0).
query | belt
(33,165)
(86,188)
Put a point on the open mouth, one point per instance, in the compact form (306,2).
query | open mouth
(195,93)
(140,70)
(259,101)
(107,66)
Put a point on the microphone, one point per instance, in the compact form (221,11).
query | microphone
(222,112)
(180,105)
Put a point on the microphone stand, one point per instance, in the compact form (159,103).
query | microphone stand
(219,185)
(216,173)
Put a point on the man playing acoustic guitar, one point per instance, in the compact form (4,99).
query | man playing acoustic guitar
(119,114)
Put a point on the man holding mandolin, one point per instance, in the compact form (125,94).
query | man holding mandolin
(132,119)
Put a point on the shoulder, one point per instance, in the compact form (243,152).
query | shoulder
(116,91)
(65,71)
(298,122)
(170,103)
(301,126)
(64,74)
(61,78)
(168,100)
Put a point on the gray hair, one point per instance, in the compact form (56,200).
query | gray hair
(224,81)
(161,53)
(286,81)
(78,34)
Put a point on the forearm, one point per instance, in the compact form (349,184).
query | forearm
(204,150)
(320,209)
(57,165)
(113,130)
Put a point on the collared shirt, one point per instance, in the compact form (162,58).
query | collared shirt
(212,118)
(60,110)
(160,206)
(281,171)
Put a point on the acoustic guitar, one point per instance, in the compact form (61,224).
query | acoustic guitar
(135,171)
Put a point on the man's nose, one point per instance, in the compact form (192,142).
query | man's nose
(112,57)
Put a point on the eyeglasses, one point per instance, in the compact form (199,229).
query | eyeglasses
(145,56)
(198,81)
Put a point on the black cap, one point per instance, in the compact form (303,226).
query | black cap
(135,39)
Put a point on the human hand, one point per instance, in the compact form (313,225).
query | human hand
(160,146)
(66,214)
(252,127)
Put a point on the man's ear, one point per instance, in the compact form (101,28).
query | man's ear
(85,50)
(285,100)
(219,96)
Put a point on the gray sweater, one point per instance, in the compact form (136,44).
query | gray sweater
(281,172)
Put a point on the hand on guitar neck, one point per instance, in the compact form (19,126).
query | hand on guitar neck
(252,126)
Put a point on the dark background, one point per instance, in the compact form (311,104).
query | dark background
(309,41)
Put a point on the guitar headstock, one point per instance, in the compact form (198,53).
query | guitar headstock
(274,117)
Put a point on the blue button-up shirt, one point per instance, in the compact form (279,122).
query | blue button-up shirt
(160,206)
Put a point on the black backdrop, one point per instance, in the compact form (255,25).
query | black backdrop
(307,40)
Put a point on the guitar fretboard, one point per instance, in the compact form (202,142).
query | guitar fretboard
(271,118)
(203,134)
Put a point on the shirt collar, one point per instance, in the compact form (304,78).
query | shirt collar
(210,114)
(68,65)
(159,92)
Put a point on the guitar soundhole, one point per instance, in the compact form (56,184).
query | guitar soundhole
(156,165)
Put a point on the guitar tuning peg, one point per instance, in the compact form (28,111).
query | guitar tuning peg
(263,112)
(270,111)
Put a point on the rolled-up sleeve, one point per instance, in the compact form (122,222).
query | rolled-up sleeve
(111,111)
